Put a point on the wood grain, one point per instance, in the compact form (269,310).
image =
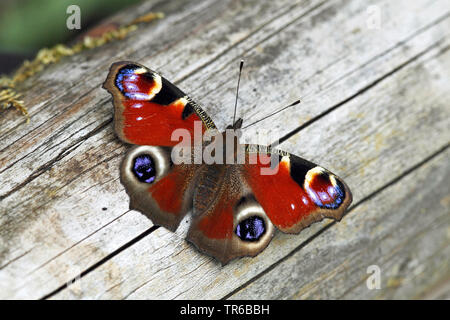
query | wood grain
(374,105)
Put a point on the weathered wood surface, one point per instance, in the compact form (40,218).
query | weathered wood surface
(375,110)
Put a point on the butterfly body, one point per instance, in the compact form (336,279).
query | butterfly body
(236,197)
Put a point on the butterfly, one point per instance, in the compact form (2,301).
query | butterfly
(235,208)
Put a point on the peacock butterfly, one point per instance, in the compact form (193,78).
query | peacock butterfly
(235,206)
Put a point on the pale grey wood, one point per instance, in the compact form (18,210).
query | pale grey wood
(63,170)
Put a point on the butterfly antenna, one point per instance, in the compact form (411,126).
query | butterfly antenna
(241,65)
(273,113)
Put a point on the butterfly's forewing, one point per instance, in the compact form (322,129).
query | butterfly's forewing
(296,192)
(148,108)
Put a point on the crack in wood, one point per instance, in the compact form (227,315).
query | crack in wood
(102,261)
(64,152)
(359,92)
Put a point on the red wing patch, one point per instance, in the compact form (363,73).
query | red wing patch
(168,192)
(148,123)
(296,192)
(148,108)
(218,224)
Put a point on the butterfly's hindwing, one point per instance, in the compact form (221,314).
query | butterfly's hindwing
(158,188)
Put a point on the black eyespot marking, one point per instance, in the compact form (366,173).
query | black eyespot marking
(187,111)
(299,169)
(168,93)
(144,168)
(251,229)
